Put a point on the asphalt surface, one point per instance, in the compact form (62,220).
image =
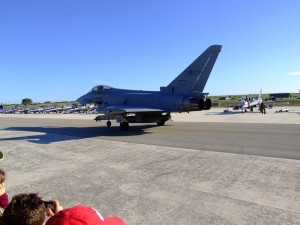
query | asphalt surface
(270,140)
(181,173)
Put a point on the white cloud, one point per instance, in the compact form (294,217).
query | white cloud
(297,73)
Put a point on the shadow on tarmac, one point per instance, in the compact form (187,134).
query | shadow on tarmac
(56,134)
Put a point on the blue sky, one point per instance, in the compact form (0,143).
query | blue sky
(57,50)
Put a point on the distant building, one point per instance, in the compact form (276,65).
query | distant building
(280,95)
(215,104)
(224,98)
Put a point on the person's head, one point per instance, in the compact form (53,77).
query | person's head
(2,176)
(24,209)
(82,215)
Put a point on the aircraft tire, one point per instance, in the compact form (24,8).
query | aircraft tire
(160,123)
(124,126)
(108,123)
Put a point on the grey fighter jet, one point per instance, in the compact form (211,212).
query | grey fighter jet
(183,94)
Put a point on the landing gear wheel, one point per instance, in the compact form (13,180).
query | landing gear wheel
(160,123)
(108,123)
(124,126)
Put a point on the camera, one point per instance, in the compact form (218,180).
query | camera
(49,204)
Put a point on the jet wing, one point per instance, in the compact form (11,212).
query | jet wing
(121,109)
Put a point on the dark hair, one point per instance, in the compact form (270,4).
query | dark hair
(2,176)
(24,209)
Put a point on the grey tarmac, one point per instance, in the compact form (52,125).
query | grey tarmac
(188,178)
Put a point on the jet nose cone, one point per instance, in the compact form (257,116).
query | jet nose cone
(90,98)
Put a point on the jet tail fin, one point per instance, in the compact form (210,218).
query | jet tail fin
(260,97)
(195,76)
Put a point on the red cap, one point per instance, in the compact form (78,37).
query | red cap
(82,215)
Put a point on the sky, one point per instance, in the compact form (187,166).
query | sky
(57,50)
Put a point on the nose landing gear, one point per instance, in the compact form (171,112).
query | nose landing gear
(108,123)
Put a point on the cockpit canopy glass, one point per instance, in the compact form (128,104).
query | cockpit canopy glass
(100,88)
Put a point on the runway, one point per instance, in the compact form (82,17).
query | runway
(181,173)
(270,140)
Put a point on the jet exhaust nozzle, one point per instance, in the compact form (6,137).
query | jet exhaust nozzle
(192,104)
(204,104)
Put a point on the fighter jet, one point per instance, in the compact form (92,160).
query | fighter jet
(183,94)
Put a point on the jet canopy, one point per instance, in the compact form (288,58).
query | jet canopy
(100,88)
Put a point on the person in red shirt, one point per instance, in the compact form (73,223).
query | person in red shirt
(3,196)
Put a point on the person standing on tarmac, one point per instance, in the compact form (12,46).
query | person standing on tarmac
(262,108)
